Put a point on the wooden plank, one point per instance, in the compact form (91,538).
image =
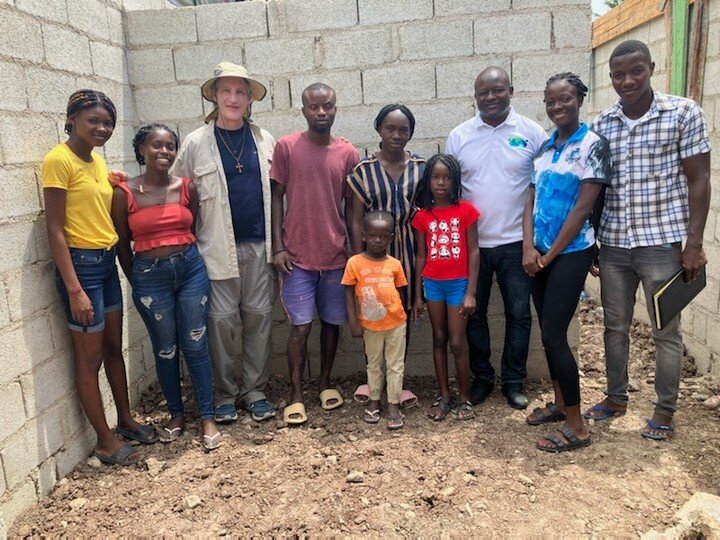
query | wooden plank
(628,15)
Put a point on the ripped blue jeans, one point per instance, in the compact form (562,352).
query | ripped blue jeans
(171,295)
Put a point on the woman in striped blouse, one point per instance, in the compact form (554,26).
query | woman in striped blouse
(388,180)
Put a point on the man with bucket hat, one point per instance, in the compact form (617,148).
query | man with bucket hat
(229,161)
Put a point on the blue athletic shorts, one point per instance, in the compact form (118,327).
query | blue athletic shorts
(450,291)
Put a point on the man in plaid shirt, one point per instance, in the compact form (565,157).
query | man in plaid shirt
(659,197)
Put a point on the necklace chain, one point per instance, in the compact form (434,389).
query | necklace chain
(141,189)
(241,146)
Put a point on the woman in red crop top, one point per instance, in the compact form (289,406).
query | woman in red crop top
(167,273)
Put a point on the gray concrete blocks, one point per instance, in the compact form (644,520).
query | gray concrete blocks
(512,33)
(238,20)
(67,50)
(20,194)
(163,26)
(436,40)
(54,10)
(30,290)
(531,72)
(108,61)
(20,250)
(20,498)
(12,409)
(46,384)
(89,16)
(13,96)
(22,346)
(304,15)
(347,86)
(469,7)
(196,62)
(150,66)
(382,12)
(457,79)
(571,28)
(438,118)
(402,83)
(279,56)
(116,33)
(16,143)
(358,48)
(21,37)
(179,101)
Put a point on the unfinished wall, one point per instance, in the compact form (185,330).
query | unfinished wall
(48,49)
(701,320)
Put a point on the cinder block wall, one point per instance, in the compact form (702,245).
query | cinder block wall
(701,320)
(150,59)
(48,49)
(424,53)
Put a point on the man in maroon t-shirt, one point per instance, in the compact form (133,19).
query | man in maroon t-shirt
(308,171)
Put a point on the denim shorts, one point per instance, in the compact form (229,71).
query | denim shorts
(303,290)
(450,291)
(98,276)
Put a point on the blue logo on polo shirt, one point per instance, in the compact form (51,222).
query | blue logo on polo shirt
(573,156)
(517,142)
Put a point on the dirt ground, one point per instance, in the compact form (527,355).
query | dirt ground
(481,477)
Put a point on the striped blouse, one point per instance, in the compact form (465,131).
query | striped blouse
(372,184)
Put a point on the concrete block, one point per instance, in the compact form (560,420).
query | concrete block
(60,332)
(67,50)
(47,383)
(304,15)
(119,145)
(437,119)
(109,61)
(73,417)
(46,476)
(235,20)
(3,489)
(181,101)
(530,73)
(358,48)
(74,451)
(29,447)
(116,33)
(512,33)
(30,289)
(347,86)
(356,124)
(89,16)
(48,91)
(20,193)
(469,7)
(572,28)
(274,57)
(12,409)
(196,62)
(381,12)
(54,10)
(4,311)
(699,326)
(160,27)
(281,123)
(13,96)
(403,83)
(281,93)
(422,147)
(522,4)
(17,501)
(708,298)
(19,245)
(130,5)
(531,105)
(436,40)
(457,79)
(21,36)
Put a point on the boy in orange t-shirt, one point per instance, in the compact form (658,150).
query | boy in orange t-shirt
(373,281)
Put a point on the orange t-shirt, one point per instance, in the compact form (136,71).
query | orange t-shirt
(376,288)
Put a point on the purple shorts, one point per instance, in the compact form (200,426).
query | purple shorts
(302,290)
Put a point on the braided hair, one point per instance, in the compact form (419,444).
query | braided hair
(580,89)
(141,136)
(85,99)
(387,109)
(424,198)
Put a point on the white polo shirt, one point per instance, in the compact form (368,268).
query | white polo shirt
(497,164)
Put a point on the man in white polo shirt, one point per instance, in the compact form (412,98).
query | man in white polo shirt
(496,149)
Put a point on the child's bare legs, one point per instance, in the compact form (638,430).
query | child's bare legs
(439,322)
(458,345)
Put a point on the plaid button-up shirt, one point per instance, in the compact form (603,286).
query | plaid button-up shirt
(647,201)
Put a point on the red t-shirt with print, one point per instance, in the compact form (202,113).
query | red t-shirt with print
(445,231)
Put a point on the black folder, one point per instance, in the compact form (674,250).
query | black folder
(672,296)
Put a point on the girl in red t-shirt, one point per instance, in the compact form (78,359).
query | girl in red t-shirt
(447,265)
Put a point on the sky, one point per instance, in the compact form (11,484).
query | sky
(598,6)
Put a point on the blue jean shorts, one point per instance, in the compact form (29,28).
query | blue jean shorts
(98,276)
(450,291)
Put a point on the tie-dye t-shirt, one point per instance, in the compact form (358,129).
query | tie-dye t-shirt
(559,172)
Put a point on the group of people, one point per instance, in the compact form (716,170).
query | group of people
(203,233)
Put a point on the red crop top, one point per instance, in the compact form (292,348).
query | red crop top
(160,225)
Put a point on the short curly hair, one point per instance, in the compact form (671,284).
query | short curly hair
(141,136)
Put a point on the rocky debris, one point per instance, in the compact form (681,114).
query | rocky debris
(154,465)
(192,501)
(698,518)
(355,477)
(77,504)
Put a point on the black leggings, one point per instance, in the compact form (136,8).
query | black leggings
(555,291)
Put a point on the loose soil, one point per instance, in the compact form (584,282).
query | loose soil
(480,477)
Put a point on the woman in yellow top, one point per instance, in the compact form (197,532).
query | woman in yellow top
(78,197)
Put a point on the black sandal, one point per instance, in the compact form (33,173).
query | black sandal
(443,406)
(556,415)
(571,443)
